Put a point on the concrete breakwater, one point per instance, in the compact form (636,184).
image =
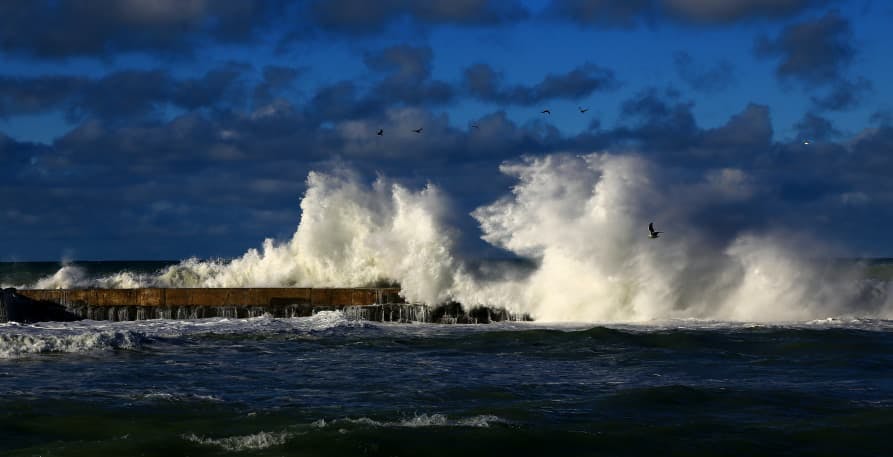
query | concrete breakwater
(374,304)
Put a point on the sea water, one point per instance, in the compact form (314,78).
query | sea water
(722,337)
(328,385)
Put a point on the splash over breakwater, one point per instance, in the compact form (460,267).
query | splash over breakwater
(579,224)
(370,304)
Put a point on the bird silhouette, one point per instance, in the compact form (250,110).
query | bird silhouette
(475,126)
(651,232)
(418,130)
(380,132)
(546,111)
(582,110)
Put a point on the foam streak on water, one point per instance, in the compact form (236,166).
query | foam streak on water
(17,340)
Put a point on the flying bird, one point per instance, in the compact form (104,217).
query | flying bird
(806,142)
(546,111)
(582,110)
(652,233)
(380,132)
(475,126)
(418,130)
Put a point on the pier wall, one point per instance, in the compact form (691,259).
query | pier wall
(374,304)
(271,297)
(162,303)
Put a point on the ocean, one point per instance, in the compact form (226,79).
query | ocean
(713,339)
(328,385)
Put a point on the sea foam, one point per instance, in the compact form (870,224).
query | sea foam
(253,442)
(17,343)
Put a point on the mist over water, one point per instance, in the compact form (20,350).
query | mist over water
(581,220)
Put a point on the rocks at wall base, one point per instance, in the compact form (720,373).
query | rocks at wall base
(16,308)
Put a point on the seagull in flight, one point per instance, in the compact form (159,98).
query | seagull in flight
(418,130)
(380,132)
(582,110)
(475,126)
(546,111)
(806,142)
(652,233)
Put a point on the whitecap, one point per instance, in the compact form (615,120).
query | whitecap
(253,442)
(17,344)
(416,421)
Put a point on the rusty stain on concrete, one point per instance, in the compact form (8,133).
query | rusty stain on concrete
(315,297)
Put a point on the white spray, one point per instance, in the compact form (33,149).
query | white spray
(582,220)
(585,219)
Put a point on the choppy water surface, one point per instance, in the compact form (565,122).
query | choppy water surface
(325,385)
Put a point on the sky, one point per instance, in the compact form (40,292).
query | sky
(165,129)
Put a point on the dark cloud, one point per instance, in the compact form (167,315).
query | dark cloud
(660,124)
(23,95)
(716,78)
(405,64)
(232,177)
(341,100)
(408,73)
(628,13)
(121,95)
(485,83)
(16,156)
(871,151)
(616,13)
(882,117)
(62,28)
(815,128)
(124,94)
(657,121)
(360,16)
(401,78)
(727,11)
(843,95)
(745,136)
(221,86)
(814,52)
(276,79)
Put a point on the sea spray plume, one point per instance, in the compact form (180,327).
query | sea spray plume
(575,215)
(581,218)
(350,234)
(73,276)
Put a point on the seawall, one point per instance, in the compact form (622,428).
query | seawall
(374,304)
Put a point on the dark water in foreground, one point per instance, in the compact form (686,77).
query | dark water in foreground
(328,386)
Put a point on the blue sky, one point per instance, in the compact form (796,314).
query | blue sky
(165,129)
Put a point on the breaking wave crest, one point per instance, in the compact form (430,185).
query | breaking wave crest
(16,344)
(420,420)
(580,220)
(254,442)
(264,440)
(17,340)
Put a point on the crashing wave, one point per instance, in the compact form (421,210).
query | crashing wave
(16,344)
(580,221)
